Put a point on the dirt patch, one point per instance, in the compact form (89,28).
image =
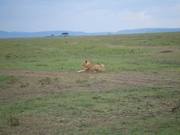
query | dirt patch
(30,84)
(30,73)
(166,51)
(25,78)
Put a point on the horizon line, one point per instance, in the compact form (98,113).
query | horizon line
(94,31)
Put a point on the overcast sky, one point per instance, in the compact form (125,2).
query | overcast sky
(87,15)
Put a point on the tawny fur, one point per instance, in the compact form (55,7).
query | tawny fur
(90,67)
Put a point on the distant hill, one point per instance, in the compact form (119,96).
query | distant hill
(148,30)
(5,34)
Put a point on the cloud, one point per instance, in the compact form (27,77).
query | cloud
(86,15)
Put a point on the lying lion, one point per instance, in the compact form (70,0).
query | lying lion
(90,67)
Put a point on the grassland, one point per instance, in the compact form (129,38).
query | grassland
(41,93)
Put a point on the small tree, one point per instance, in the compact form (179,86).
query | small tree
(65,34)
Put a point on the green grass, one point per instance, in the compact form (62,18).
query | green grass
(110,112)
(118,53)
(4,80)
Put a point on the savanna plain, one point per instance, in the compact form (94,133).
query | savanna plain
(41,92)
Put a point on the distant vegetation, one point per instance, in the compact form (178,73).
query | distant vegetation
(4,34)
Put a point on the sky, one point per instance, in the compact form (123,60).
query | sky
(88,15)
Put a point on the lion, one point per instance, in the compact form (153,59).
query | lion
(90,67)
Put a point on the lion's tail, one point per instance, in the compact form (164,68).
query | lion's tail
(102,67)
